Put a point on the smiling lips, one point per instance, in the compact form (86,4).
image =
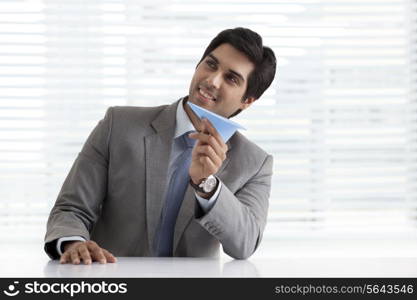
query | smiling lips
(206,95)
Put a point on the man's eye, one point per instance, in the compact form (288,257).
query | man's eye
(211,64)
(232,79)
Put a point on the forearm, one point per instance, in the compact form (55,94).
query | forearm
(238,218)
(234,225)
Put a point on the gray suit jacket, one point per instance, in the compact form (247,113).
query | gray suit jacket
(114,191)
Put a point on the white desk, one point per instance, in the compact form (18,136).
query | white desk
(279,259)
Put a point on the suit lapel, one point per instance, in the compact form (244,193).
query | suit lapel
(157,153)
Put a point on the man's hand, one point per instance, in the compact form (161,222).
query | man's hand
(88,251)
(208,153)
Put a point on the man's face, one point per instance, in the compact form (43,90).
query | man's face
(220,81)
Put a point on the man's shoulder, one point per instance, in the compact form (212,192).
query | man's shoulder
(246,148)
(135,112)
(246,158)
(134,117)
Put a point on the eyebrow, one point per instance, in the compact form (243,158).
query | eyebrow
(230,70)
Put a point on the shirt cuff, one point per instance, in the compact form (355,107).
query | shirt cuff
(66,239)
(207,204)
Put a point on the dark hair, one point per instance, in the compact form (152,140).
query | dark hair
(249,43)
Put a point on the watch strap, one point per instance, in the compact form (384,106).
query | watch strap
(197,187)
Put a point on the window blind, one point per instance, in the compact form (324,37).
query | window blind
(339,117)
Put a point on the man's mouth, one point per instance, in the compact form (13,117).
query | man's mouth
(206,95)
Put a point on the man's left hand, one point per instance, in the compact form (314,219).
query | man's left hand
(208,153)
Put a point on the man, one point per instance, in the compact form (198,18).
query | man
(140,187)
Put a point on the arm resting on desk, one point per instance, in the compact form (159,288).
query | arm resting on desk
(79,202)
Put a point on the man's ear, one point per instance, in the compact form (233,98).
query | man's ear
(248,102)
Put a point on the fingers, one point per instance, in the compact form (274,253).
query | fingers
(208,151)
(209,135)
(87,252)
(75,259)
(208,145)
(70,256)
(96,252)
(212,131)
(109,257)
(201,126)
(220,149)
(64,257)
(209,166)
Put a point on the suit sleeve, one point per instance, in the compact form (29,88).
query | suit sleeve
(79,201)
(238,219)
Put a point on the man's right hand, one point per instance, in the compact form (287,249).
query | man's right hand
(88,251)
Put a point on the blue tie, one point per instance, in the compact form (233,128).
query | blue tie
(175,194)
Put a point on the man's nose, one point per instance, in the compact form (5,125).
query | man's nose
(215,80)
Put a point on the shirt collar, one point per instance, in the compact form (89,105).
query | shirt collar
(183,121)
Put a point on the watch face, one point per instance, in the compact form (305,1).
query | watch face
(210,184)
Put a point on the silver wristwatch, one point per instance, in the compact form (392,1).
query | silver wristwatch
(206,186)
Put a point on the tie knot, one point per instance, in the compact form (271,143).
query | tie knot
(188,142)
